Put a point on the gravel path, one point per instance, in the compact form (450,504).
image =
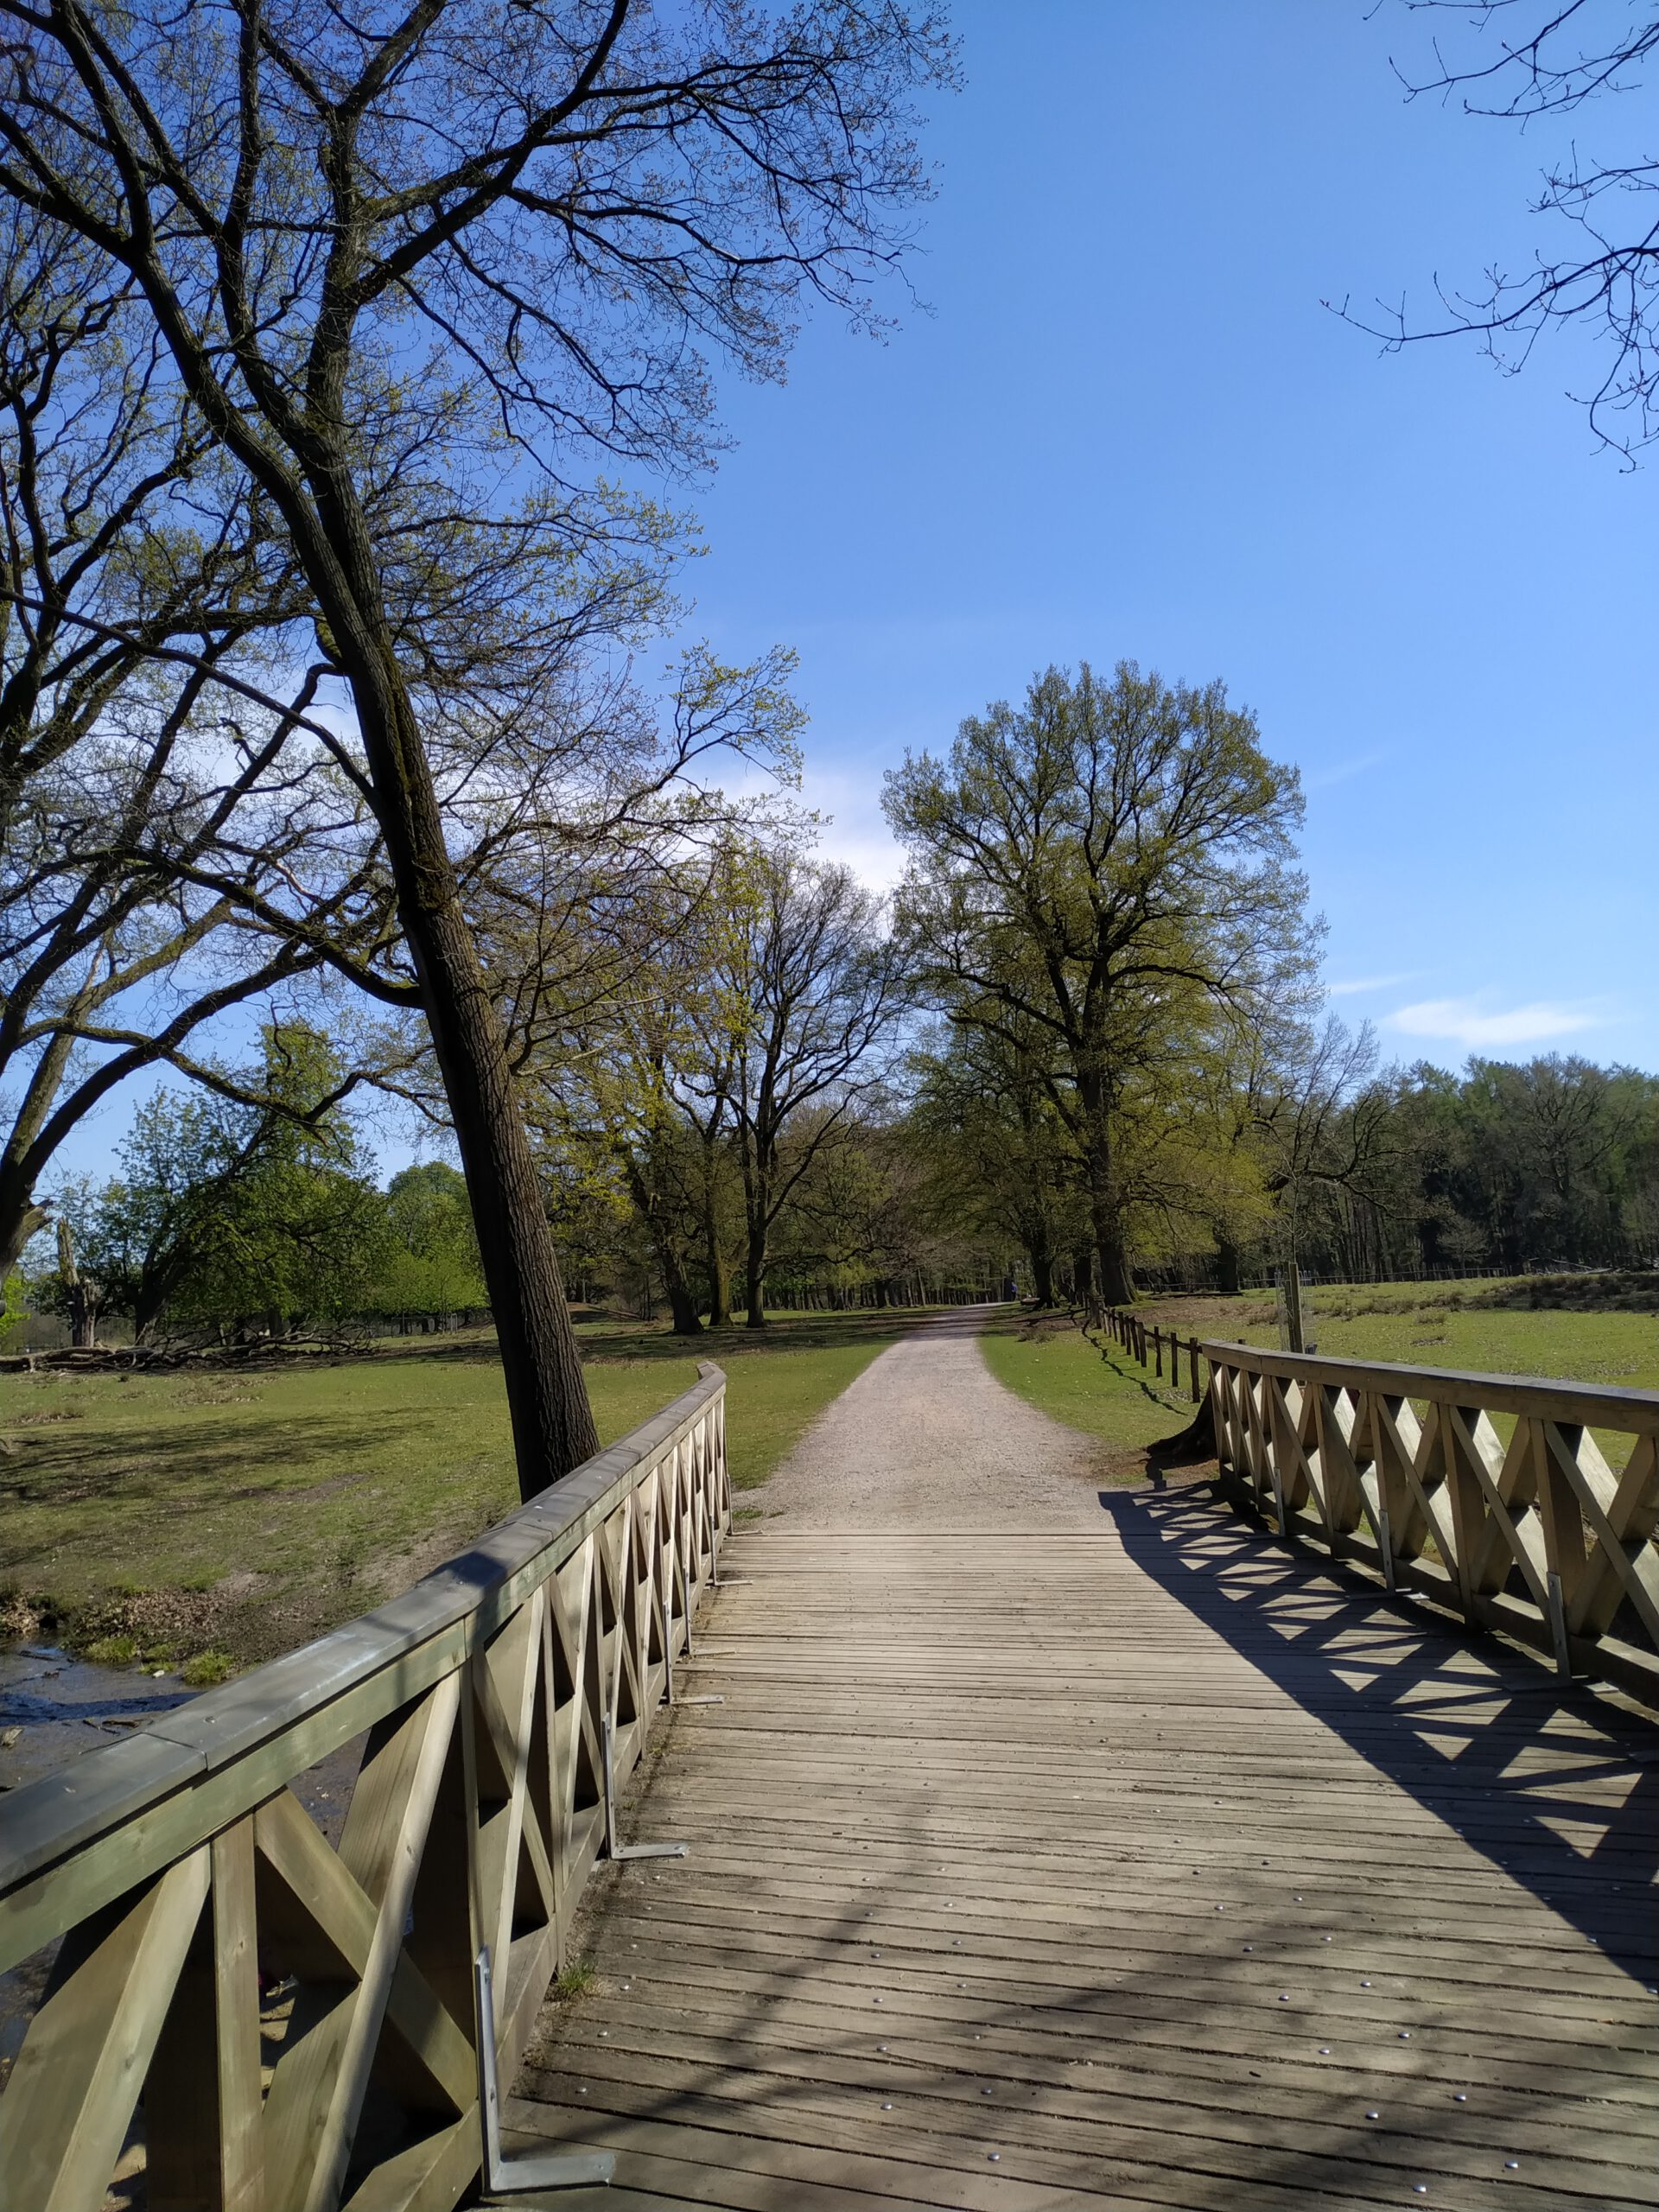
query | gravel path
(927,1438)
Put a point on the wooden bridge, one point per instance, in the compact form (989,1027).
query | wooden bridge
(1108,1846)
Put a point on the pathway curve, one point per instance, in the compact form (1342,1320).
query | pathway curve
(1053,1849)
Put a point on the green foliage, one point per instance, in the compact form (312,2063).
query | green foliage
(1094,876)
(1550,1164)
(429,1263)
(236,1218)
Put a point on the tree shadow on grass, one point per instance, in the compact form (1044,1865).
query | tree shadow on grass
(1482,1737)
(92,1473)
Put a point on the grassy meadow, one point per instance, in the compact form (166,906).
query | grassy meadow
(216,1517)
(1048,1360)
(221,1515)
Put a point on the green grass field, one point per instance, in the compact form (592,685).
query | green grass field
(1490,1328)
(1051,1363)
(242,1512)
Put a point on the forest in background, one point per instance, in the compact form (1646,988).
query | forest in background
(921,1171)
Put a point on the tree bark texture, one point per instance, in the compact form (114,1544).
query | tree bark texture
(553,1425)
(756,1317)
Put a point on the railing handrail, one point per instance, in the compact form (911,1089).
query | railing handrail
(62,1813)
(1601,1404)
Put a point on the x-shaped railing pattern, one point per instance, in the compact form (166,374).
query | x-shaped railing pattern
(267,2021)
(1531,1506)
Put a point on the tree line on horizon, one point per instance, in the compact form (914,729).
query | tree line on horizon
(1085,1039)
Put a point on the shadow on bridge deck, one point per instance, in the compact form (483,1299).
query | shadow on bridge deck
(1556,1785)
(1043,1872)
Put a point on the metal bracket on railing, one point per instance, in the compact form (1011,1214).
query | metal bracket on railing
(1385,1541)
(614,1847)
(685,1590)
(540,2169)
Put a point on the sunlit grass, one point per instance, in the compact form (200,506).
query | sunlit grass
(1102,1392)
(243,1511)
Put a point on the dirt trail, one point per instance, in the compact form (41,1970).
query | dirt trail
(927,1438)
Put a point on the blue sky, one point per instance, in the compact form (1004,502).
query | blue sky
(1130,428)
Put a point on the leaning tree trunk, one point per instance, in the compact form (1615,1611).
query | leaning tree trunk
(547,1399)
(553,1427)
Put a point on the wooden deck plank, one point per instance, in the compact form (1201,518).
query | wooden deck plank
(1188,1853)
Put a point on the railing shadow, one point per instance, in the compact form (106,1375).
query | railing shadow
(1484,1738)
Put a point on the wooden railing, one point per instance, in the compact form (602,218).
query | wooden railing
(265,2021)
(1154,1347)
(1489,1492)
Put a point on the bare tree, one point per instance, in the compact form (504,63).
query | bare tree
(1525,62)
(400,263)
(813,992)
(138,586)
(1322,1123)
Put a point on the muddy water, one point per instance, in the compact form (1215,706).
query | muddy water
(53,1708)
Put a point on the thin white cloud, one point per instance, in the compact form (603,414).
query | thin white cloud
(1343,772)
(1466,1022)
(1364,983)
(853,828)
